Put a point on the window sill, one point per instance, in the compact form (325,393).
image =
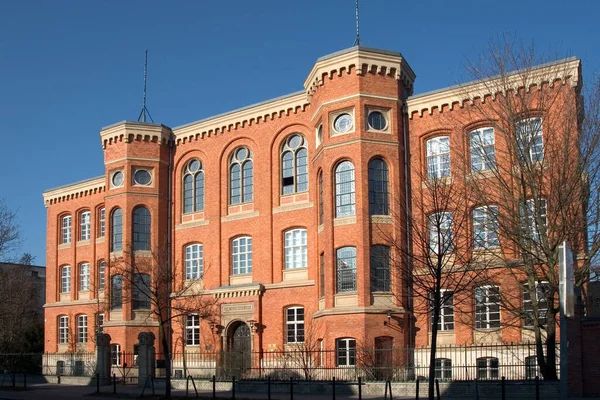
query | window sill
(192,216)
(100,239)
(295,274)
(116,254)
(381,219)
(83,243)
(487,173)
(430,183)
(142,253)
(240,279)
(347,299)
(341,221)
(242,207)
(83,295)
(65,296)
(64,246)
(240,215)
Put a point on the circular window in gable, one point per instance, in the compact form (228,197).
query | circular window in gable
(343,123)
(117,179)
(142,177)
(377,121)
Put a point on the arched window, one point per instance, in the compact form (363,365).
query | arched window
(141,291)
(141,229)
(241,181)
(84,225)
(345,191)
(84,276)
(117,230)
(438,157)
(101,274)
(294,165)
(346,269)
(295,249)
(241,255)
(193,186)
(193,261)
(378,187)
(65,222)
(321,211)
(116,298)
(65,279)
(294,317)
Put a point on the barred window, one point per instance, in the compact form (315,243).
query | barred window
(443,369)
(346,352)
(241,255)
(295,325)
(530,143)
(485,227)
(483,150)
(84,276)
(102,222)
(193,186)
(378,187)
(192,330)
(66,229)
(65,279)
(116,298)
(345,191)
(241,181)
(82,329)
(141,291)
(487,307)
(294,165)
(117,230)
(487,368)
(440,233)
(438,157)
(141,229)
(84,226)
(295,249)
(541,289)
(531,368)
(101,274)
(446,321)
(380,268)
(346,269)
(63,329)
(194,261)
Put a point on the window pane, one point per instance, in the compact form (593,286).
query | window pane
(344,190)
(346,269)
(141,229)
(378,187)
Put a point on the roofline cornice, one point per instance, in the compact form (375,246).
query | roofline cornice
(75,190)
(563,70)
(129,131)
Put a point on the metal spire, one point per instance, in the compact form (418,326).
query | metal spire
(145,111)
(357,40)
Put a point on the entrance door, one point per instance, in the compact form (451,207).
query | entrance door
(238,357)
(383,358)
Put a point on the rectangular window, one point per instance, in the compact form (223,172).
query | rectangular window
(530,144)
(66,229)
(380,269)
(193,261)
(141,292)
(322,275)
(534,219)
(116,299)
(192,330)
(84,226)
(65,279)
(446,321)
(82,333)
(241,255)
(485,227)
(296,249)
(541,290)
(101,274)
(438,157)
(346,352)
(345,190)
(487,307)
(115,355)
(346,269)
(440,233)
(531,369)
(443,369)
(483,151)
(295,325)
(102,223)
(63,329)
(487,368)
(321,198)
(84,276)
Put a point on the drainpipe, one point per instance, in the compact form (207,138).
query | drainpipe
(169,242)
(407,208)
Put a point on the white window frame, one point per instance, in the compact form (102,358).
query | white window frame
(65,279)
(296,248)
(241,260)
(482,148)
(84,276)
(528,306)
(84,225)
(443,369)
(192,330)
(446,322)
(102,222)
(438,157)
(82,329)
(115,355)
(194,261)
(345,189)
(488,302)
(294,325)
(345,353)
(440,227)
(527,139)
(101,275)
(63,329)
(530,225)
(66,229)
(485,220)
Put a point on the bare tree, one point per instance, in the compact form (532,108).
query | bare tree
(537,162)
(10,234)
(147,284)
(305,354)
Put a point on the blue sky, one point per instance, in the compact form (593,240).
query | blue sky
(68,68)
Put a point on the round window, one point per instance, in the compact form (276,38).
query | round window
(142,177)
(241,154)
(377,121)
(194,165)
(117,178)
(295,141)
(343,123)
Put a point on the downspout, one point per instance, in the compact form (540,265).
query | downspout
(408,211)
(169,245)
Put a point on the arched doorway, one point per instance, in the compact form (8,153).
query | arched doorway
(238,353)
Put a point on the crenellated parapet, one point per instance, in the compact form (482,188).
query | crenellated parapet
(567,71)
(74,191)
(359,60)
(130,131)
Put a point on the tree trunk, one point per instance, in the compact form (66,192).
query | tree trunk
(549,372)
(167,355)
(434,330)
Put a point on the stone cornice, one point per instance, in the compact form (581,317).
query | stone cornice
(129,131)
(226,292)
(75,190)
(568,70)
(361,60)
(261,112)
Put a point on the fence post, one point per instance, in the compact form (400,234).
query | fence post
(537,388)
(417,392)
(359,388)
(503,388)
(291,388)
(269,387)
(214,379)
(333,388)
(437,388)
(58,378)
(233,387)
(114,383)
(97,382)
(390,383)
(24,380)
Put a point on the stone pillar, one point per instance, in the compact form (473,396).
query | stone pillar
(103,362)
(146,357)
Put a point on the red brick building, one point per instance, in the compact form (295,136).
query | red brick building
(281,211)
